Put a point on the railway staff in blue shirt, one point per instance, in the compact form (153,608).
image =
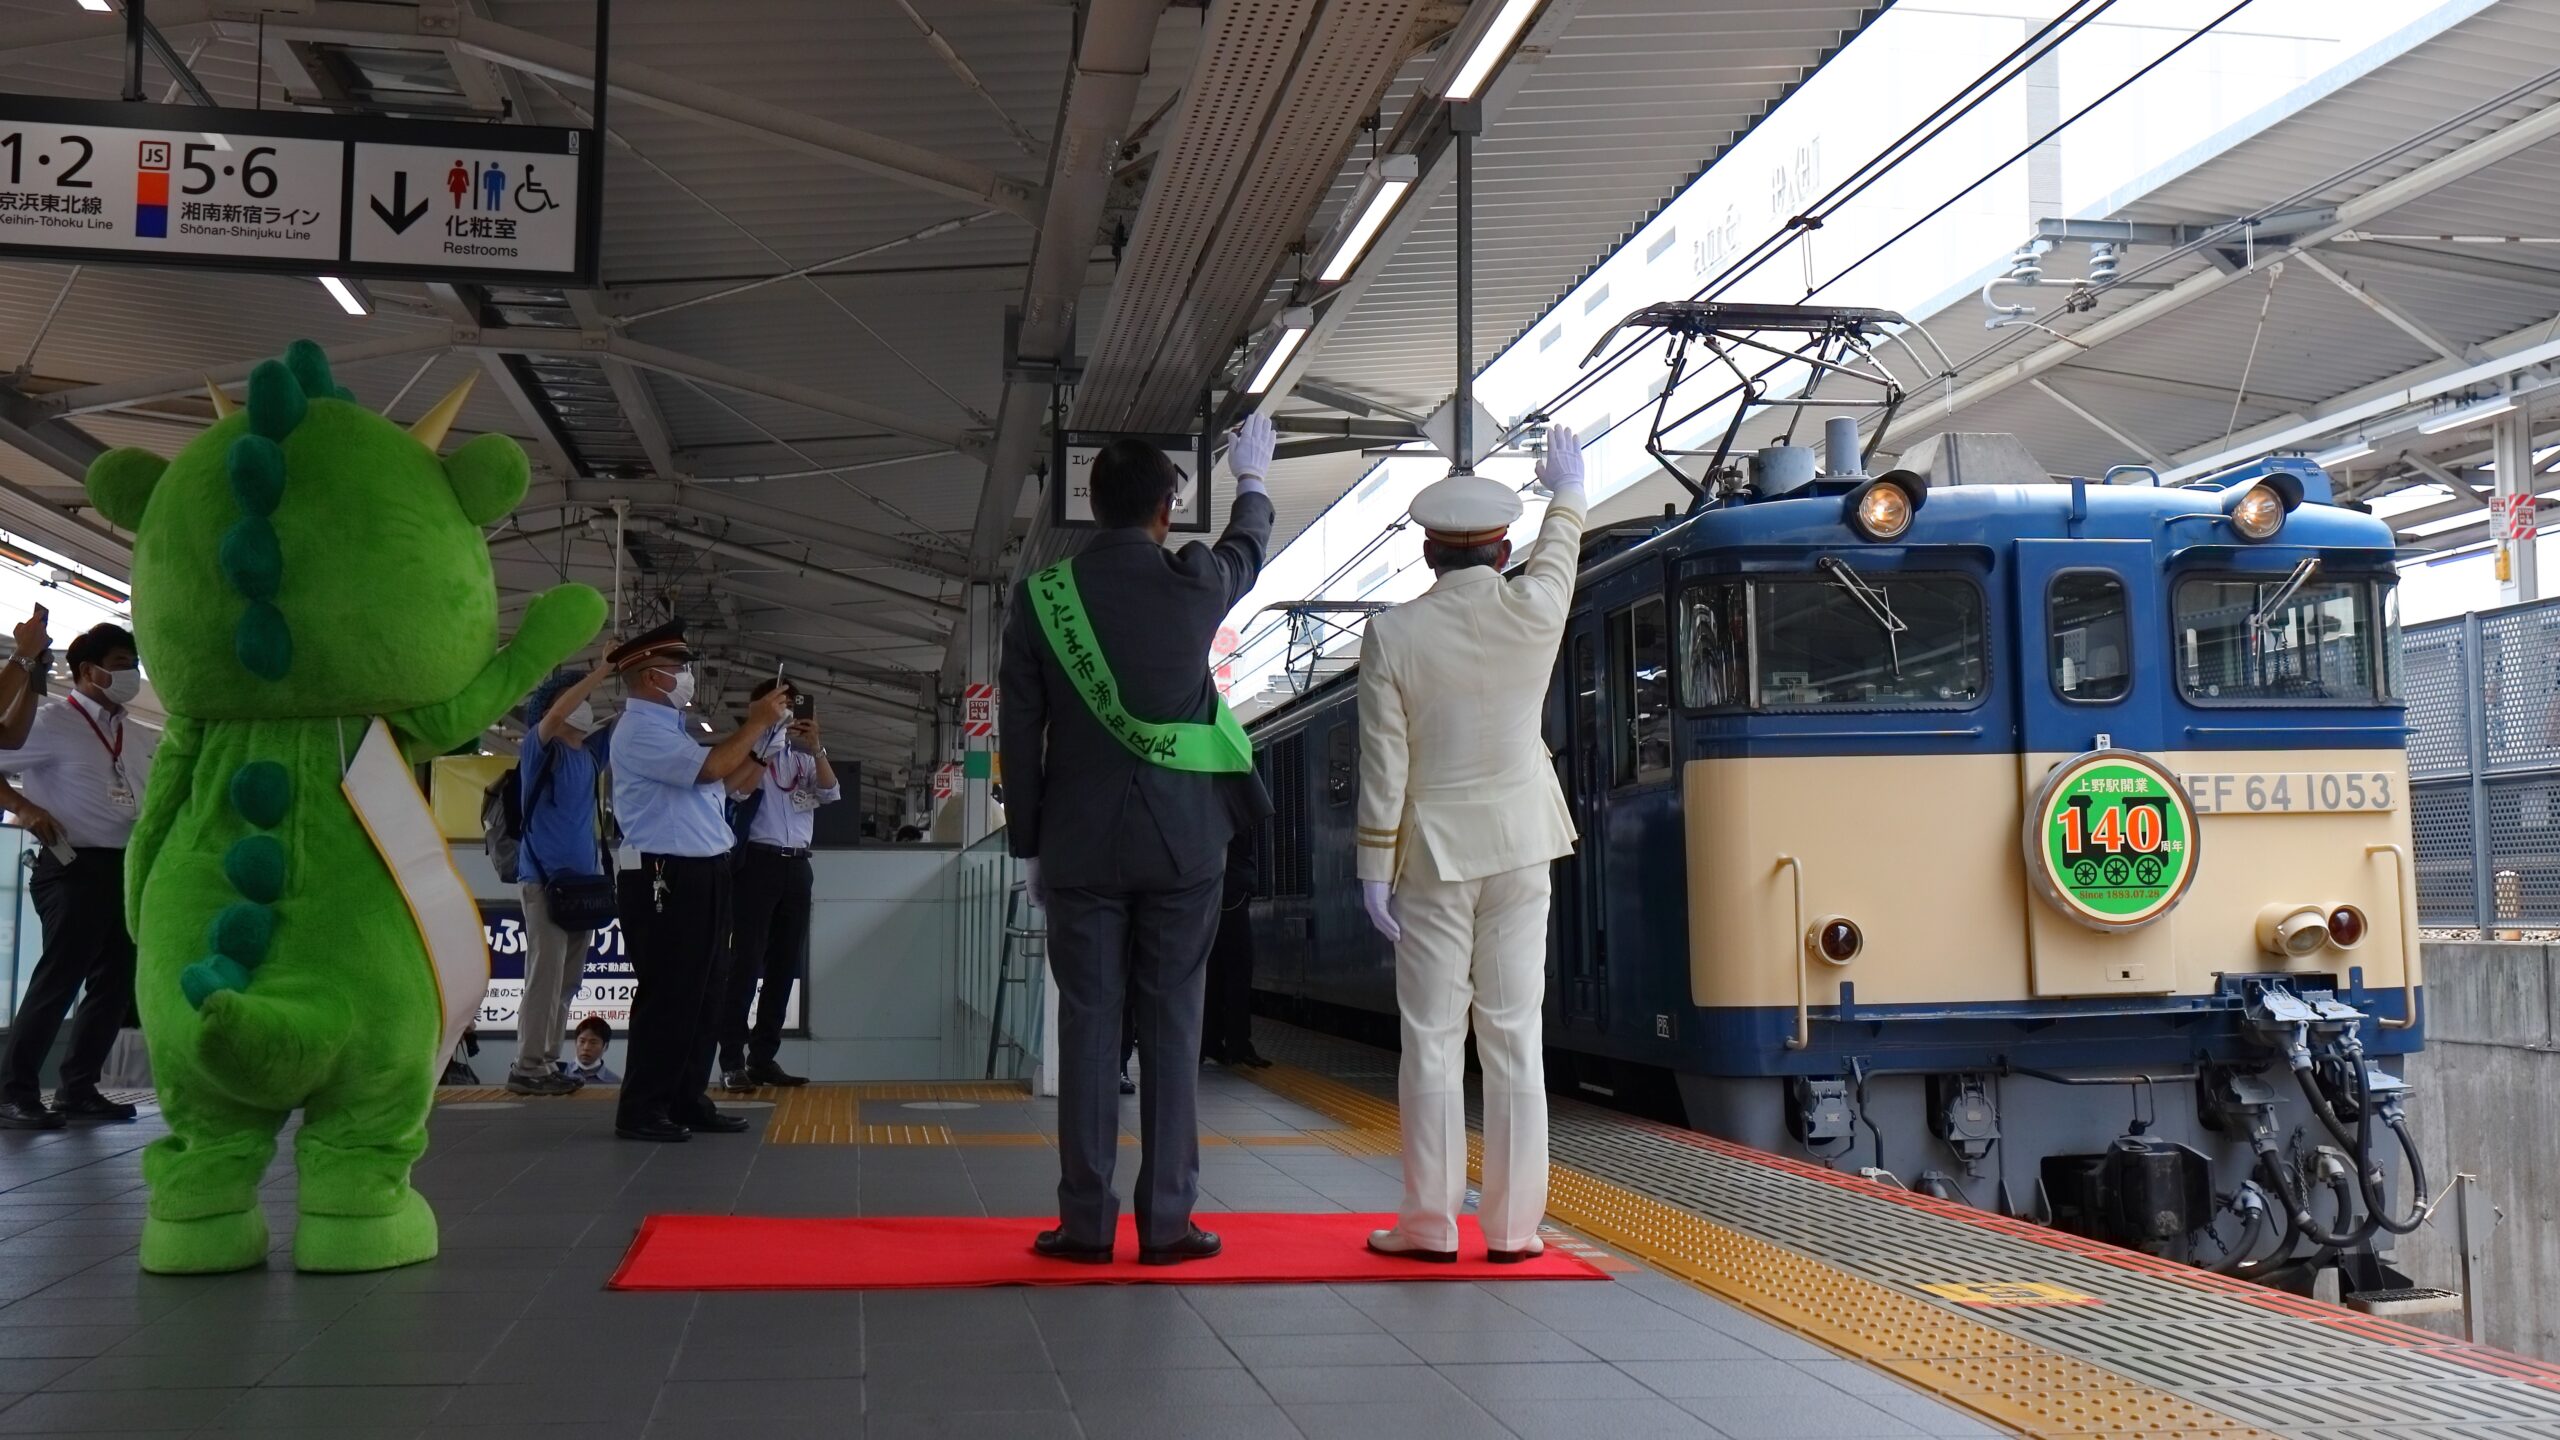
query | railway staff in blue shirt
(675,908)
(769,931)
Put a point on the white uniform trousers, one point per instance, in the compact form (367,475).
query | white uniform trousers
(1480,947)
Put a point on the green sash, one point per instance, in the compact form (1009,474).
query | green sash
(1216,748)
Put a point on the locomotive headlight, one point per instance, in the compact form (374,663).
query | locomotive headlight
(2259,512)
(2346,927)
(1884,512)
(2293,931)
(1835,939)
(1881,509)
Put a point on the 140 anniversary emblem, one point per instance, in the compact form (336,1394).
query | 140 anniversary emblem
(2111,839)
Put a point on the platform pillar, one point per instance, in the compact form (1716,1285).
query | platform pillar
(2511,446)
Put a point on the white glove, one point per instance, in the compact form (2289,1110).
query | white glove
(1249,448)
(1560,468)
(1031,884)
(1378,898)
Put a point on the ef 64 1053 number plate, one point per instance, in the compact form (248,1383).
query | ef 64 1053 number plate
(2293,792)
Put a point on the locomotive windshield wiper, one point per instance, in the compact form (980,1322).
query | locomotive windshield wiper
(1872,599)
(2292,584)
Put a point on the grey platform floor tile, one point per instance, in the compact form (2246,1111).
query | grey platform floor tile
(323,1364)
(47,1308)
(1208,1422)
(1808,1414)
(215,1371)
(1279,1310)
(754,1404)
(1425,1420)
(1929,1416)
(1440,1305)
(1647,1419)
(1172,1389)
(764,1362)
(1271,1351)
(37,1342)
(117,1412)
(621,1400)
(1367,1384)
(1695,1342)
(1492,1347)
(913,1392)
(1694,1379)
(1012,1351)
(1073,1353)
(964,1425)
(1588,1380)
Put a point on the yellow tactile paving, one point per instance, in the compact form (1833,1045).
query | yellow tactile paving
(2007,1380)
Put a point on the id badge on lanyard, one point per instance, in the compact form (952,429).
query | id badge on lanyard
(120,792)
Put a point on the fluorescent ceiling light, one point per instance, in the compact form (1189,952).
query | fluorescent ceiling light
(2467,415)
(2353,449)
(345,294)
(100,5)
(1286,346)
(1392,177)
(1491,48)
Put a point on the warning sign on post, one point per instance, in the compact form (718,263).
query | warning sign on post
(978,717)
(448,206)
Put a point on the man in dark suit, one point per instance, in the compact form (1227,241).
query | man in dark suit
(1125,777)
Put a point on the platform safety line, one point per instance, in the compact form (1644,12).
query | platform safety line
(2485,1359)
(2007,1379)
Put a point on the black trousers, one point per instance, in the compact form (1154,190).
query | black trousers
(1226,1033)
(768,940)
(81,906)
(1105,946)
(675,918)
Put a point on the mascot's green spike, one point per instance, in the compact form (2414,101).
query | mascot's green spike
(314,591)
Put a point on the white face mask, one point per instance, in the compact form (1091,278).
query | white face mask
(680,695)
(122,686)
(583,719)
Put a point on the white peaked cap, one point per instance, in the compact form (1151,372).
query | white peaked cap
(1465,510)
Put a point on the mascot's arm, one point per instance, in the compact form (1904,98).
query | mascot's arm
(173,777)
(557,625)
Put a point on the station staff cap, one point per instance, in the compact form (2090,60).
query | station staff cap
(1466,510)
(651,647)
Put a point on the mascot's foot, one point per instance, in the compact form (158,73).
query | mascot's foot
(211,1245)
(338,1244)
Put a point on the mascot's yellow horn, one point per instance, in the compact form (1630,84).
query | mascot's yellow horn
(431,427)
(222,406)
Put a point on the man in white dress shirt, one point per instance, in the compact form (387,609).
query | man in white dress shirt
(1459,817)
(78,772)
(770,894)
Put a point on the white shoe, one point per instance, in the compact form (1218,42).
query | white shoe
(1391,1242)
(1531,1251)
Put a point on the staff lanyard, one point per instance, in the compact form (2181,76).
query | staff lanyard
(114,748)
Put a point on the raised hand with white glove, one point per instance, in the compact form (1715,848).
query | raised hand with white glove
(1031,884)
(1560,467)
(1249,448)
(1378,898)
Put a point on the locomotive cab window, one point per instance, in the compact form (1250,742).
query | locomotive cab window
(2089,636)
(2287,639)
(1640,694)
(1839,639)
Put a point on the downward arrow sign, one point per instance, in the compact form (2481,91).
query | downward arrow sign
(402,214)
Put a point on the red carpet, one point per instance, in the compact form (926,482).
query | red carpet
(923,1252)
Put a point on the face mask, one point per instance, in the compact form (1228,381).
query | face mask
(122,686)
(681,696)
(583,719)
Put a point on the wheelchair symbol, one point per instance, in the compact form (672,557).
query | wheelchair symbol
(529,190)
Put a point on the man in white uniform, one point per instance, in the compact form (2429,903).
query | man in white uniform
(1460,815)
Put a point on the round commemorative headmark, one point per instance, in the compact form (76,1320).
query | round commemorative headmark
(2111,839)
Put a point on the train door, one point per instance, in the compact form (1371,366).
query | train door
(2083,631)
(1580,739)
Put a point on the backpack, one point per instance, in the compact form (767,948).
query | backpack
(502,819)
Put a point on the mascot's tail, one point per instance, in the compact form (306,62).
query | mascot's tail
(271,1051)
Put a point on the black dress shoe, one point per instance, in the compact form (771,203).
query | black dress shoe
(657,1128)
(1198,1245)
(90,1105)
(1254,1059)
(767,1072)
(1127,1085)
(716,1123)
(740,1080)
(20,1115)
(1054,1245)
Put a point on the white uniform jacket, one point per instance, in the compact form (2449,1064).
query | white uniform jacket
(1454,772)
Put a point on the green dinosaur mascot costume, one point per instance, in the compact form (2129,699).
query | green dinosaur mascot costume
(313,590)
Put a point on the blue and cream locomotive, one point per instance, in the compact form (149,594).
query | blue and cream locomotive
(2041,844)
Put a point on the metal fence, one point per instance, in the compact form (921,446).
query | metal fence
(988,900)
(2484,767)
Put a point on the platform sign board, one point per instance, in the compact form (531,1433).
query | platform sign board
(606,983)
(103,182)
(1071,466)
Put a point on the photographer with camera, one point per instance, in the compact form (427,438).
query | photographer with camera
(769,914)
